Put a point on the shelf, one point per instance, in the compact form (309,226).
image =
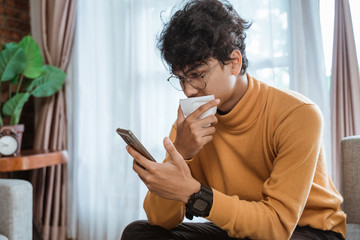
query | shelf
(32,159)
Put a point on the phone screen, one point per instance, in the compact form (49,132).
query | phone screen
(132,141)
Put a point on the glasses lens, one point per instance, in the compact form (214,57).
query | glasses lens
(198,82)
(175,82)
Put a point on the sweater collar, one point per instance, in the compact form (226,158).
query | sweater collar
(247,109)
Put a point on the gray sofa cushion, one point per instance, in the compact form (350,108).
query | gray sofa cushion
(353,231)
(350,153)
(16,209)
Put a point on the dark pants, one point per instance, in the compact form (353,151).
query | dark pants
(142,230)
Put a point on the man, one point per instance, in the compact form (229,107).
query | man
(258,172)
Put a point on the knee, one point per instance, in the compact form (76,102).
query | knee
(134,230)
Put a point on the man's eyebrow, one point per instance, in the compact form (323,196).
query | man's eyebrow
(194,67)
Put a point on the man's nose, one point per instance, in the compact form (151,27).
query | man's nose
(189,90)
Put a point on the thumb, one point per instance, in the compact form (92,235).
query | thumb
(171,149)
(180,116)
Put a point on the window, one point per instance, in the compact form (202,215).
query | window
(327,14)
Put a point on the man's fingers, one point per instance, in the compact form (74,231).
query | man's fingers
(140,159)
(180,117)
(203,108)
(208,131)
(207,121)
(207,139)
(140,170)
(171,149)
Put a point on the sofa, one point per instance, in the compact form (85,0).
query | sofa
(15,209)
(350,154)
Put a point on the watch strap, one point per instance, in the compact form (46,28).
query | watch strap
(199,203)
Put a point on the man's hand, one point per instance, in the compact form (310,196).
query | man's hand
(170,180)
(191,135)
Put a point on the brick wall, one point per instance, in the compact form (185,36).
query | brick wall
(14,20)
(14,25)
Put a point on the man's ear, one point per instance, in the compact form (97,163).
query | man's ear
(236,62)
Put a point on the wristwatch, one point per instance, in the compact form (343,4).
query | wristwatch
(199,203)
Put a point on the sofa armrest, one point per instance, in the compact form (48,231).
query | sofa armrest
(350,153)
(16,209)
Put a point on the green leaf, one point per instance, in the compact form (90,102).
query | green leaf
(14,80)
(15,118)
(49,83)
(14,105)
(12,62)
(34,60)
(9,45)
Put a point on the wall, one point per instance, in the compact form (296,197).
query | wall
(14,25)
(14,20)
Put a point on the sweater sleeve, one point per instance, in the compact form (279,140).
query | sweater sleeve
(297,143)
(163,212)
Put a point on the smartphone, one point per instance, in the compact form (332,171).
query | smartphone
(133,142)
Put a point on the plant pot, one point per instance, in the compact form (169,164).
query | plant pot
(16,131)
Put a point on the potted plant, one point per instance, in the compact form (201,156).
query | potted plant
(22,75)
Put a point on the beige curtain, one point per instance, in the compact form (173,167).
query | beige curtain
(50,184)
(345,85)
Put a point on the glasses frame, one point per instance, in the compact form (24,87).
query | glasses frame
(191,79)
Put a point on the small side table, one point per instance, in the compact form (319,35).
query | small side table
(32,159)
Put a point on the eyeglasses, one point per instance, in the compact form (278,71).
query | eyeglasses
(197,81)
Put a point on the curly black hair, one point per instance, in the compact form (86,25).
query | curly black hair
(203,29)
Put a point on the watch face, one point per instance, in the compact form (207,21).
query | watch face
(200,205)
(8,145)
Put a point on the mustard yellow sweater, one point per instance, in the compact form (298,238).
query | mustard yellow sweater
(266,166)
